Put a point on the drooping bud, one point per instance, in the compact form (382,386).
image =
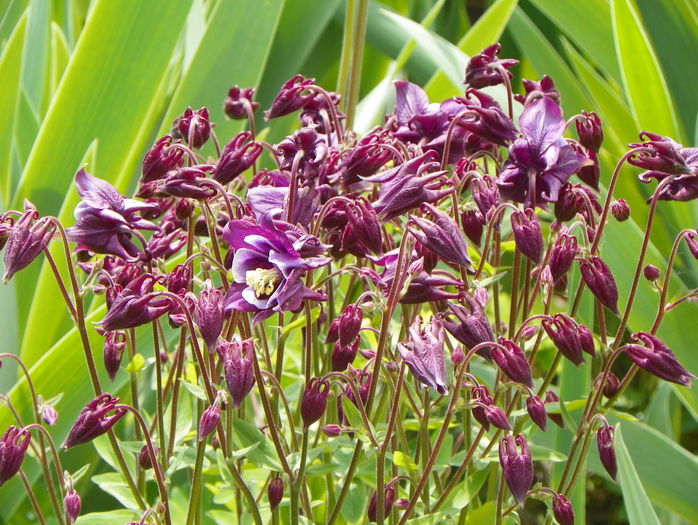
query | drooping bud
(562,510)
(551,397)
(144,459)
(178,279)
(314,400)
(193,126)
(237,156)
(536,410)
(343,355)
(654,356)
(620,210)
(517,467)
(424,353)
(160,159)
(235,103)
(599,279)
(209,315)
(650,272)
(238,369)
(483,398)
(590,131)
(402,503)
(586,338)
(527,234)
(114,344)
(346,326)
(134,305)
(292,96)
(13,447)
(562,255)
(188,182)
(275,492)
(512,360)
(388,499)
(610,387)
(565,334)
(573,199)
(94,420)
(472,327)
(487,69)
(545,87)
(591,173)
(473,225)
(607,454)
(493,414)
(48,413)
(72,505)
(209,420)
(486,195)
(184,208)
(457,355)
(26,240)
(441,235)
(692,244)
(331,430)
(353,227)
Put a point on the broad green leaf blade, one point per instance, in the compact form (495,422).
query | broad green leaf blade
(36,53)
(643,78)
(11,15)
(637,505)
(60,55)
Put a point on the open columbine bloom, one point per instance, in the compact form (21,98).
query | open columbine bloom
(541,161)
(424,353)
(269,267)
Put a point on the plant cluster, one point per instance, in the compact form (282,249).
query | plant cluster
(362,308)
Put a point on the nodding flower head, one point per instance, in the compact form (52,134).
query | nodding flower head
(94,420)
(653,355)
(160,159)
(598,277)
(275,492)
(346,326)
(536,410)
(441,235)
(237,359)
(471,326)
(13,447)
(527,234)
(567,336)
(517,467)
(512,360)
(589,130)
(607,453)
(292,96)
(209,314)
(238,100)
(134,305)
(562,255)
(193,126)
(562,510)
(424,353)
(114,344)
(26,240)
(487,69)
(314,400)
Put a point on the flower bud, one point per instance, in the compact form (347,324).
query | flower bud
(441,235)
(94,421)
(209,421)
(692,244)
(388,499)
(545,87)
(496,416)
(511,359)
(591,173)
(473,225)
(275,492)
(237,99)
(551,397)
(607,454)
(331,430)
(48,414)
(536,410)
(193,126)
(292,96)
(184,208)
(599,279)
(487,69)
(610,387)
(562,510)
(517,468)
(650,272)
(236,157)
(314,400)
(208,314)
(144,459)
(114,344)
(472,326)
(13,447)
(564,332)
(457,355)
(424,353)
(654,356)
(178,279)
(527,234)
(402,503)
(5,231)
(237,360)
(590,131)
(72,504)
(483,398)
(343,355)
(620,210)
(486,195)
(188,182)
(160,159)
(346,326)
(26,241)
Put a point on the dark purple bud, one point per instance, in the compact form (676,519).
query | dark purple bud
(620,210)
(275,492)
(544,88)
(661,156)
(484,119)
(517,467)
(527,234)
(536,410)
(590,174)
(237,360)
(188,182)
(388,499)
(486,195)
(441,235)
(481,395)
(610,387)
(551,397)
(5,231)
(26,241)
(292,96)
(650,272)
(599,279)
(237,101)
(94,420)
(487,69)
(586,338)
(144,459)
(72,504)
(473,225)
(160,159)
(237,156)
(574,199)
(355,227)
(512,360)
(496,416)
(457,355)
(654,356)
(564,332)
(178,279)
(13,446)
(562,510)
(364,159)
(424,353)
(429,258)
(193,126)
(402,503)
(692,244)
(343,355)
(346,326)
(114,344)
(562,255)
(472,327)
(528,332)
(331,430)
(184,208)
(314,400)
(134,305)
(607,454)
(590,131)
(209,315)
(209,420)
(48,414)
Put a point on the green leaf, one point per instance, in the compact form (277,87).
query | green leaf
(643,78)
(136,364)
(246,435)
(36,53)
(113,517)
(400,459)
(467,489)
(352,414)
(114,484)
(637,505)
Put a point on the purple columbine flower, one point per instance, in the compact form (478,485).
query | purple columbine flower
(527,234)
(388,500)
(114,344)
(193,126)
(314,400)
(473,225)
(567,336)
(598,277)
(343,355)
(134,305)
(187,183)
(269,267)
(533,89)
(237,156)
(13,447)
(536,410)
(654,356)
(106,220)
(487,69)
(72,505)
(353,227)
(209,314)
(541,161)
(484,118)
(275,492)
(26,240)
(160,159)
(620,210)
(234,104)
(589,130)
(346,326)
(517,468)
(292,96)
(94,420)
(666,158)
(441,235)
(562,255)
(472,327)
(512,360)
(562,510)
(237,359)
(209,419)
(481,395)
(555,417)
(486,195)
(573,199)
(607,454)
(424,353)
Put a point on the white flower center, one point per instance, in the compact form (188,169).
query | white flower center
(262,281)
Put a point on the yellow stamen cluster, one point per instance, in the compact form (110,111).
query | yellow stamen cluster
(262,281)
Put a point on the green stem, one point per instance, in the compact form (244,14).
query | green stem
(194,497)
